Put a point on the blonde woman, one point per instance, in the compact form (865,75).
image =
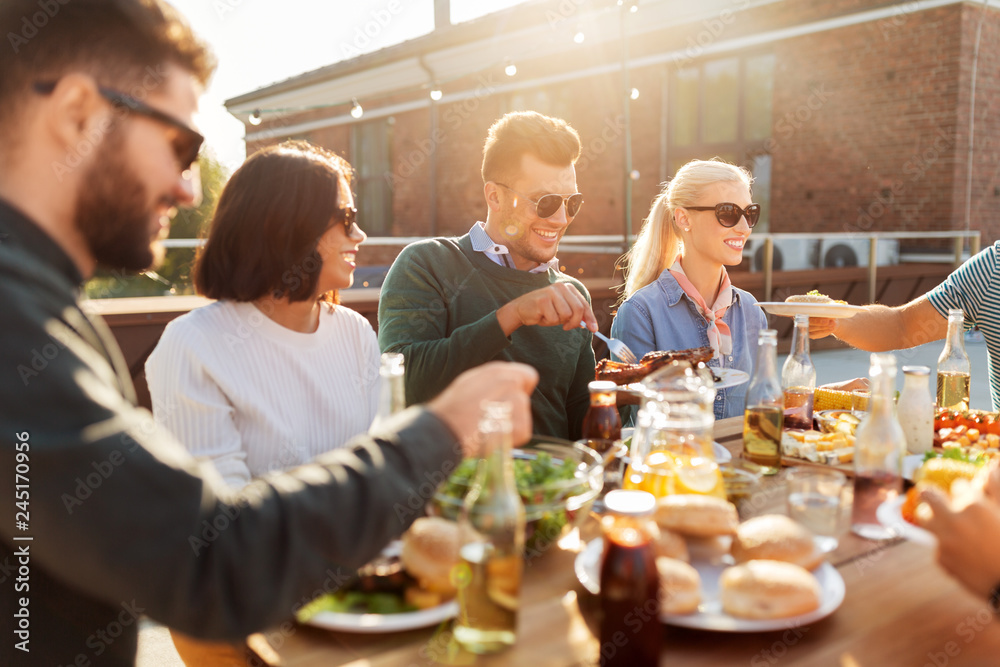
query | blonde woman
(677,291)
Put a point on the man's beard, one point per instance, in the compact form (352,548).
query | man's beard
(112,211)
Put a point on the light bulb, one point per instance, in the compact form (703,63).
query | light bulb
(436,94)
(634,8)
(634,94)
(579,37)
(510,69)
(356,110)
(255,118)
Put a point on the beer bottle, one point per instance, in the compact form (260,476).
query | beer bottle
(492,553)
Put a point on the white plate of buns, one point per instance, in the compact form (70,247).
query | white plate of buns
(749,577)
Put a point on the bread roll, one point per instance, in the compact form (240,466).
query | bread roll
(430,550)
(680,586)
(767,589)
(775,537)
(671,545)
(701,516)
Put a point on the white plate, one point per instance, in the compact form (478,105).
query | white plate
(710,615)
(890,515)
(831,310)
(730,377)
(379,623)
(722,455)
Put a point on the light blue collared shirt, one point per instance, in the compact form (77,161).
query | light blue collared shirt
(498,253)
(660,316)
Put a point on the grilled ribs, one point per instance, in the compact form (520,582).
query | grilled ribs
(620,373)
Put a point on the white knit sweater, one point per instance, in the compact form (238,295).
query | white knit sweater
(253,396)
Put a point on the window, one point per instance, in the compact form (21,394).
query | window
(371,157)
(722,108)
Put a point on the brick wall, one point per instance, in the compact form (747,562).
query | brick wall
(870,128)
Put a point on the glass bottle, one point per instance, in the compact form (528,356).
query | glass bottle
(392,391)
(764,414)
(879,445)
(915,409)
(630,582)
(602,430)
(954,369)
(492,552)
(798,378)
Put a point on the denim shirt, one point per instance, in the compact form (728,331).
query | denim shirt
(660,316)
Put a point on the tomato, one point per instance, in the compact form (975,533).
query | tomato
(993,424)
(944,419)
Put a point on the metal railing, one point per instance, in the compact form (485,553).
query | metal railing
(614,244)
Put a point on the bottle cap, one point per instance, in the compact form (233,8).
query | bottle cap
(916,370)
(602,386)
(630,503)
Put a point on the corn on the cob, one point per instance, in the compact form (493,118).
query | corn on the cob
(831,399)
(942,472)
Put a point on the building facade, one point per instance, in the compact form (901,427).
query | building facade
(855,116)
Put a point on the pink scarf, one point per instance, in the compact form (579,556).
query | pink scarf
(719,335)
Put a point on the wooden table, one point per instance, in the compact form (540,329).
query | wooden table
(900,610)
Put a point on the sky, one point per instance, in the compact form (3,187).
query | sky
(259,42)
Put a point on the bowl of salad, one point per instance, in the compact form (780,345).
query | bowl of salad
(557,480)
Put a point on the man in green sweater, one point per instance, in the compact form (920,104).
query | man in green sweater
(449,304)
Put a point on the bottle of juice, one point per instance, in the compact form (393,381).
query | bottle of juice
(492,553)
(953,368)
(798,378)
(762,420)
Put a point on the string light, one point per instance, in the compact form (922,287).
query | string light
(255,118)
(634,94)
(356,110)
(436,94)
(510,69)
(579,36)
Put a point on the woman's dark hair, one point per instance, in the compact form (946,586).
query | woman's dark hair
(271,215)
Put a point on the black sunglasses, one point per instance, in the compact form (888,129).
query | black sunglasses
(548,205)
(186,141)
(349,217)
(729,214)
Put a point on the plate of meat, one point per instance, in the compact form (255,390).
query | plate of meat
(623,374)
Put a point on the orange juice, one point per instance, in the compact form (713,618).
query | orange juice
(665,473)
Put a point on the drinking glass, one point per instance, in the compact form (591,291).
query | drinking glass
(814,500)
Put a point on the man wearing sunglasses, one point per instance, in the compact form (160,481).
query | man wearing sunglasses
(450,304)
(104,516)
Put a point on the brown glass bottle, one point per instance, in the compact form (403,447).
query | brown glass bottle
(602,421)
(630,585)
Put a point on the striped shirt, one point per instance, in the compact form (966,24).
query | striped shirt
(498,253)
(974,288)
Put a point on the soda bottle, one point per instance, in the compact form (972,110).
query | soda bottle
(954,369)
(602,421)
(492,553)
(764,413)
(879,444)
(798,378)
(630,583)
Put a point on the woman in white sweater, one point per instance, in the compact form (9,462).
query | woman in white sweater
(274,372)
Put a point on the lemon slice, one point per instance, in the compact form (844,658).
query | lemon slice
(696,475)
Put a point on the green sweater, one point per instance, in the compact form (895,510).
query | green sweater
(438,308)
